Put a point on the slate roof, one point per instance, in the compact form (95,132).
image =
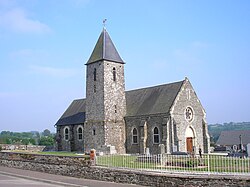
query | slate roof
(145,101)
(232,137)
(75,113)
(152,100)
(104,50)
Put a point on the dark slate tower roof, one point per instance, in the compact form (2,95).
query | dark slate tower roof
(104,50)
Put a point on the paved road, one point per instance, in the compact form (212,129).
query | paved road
(9,181)
(11,177)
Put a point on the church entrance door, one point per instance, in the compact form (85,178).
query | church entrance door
(190,139)
(189,144)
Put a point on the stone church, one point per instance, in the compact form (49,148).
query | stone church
(164,118)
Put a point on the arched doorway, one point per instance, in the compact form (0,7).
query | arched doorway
(189,139)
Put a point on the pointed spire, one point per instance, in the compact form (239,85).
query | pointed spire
(105,50)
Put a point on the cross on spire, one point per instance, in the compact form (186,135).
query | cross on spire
(104,23)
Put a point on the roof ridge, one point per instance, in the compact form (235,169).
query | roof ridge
(103,44)
(79,99)
(151,87)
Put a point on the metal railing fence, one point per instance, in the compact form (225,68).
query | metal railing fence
(178,163)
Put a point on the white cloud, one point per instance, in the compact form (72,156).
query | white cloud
(17,20)
(50,71)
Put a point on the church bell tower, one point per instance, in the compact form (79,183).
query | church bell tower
(105,97)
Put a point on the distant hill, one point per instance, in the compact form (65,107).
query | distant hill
(215,129)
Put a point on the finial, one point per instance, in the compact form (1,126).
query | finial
(104,23)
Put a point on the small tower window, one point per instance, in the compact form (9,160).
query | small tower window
(134,136)
(95,74)
(79,133)
(115,109)
(94,132)
(94,88)
(114,74)
(156,135)
(66,133)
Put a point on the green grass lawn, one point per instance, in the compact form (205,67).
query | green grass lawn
(124,162)
(60,153)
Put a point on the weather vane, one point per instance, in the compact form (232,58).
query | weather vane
(104,23)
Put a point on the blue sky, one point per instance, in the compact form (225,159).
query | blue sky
(45,44)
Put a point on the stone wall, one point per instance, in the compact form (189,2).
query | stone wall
(12,147)
(45,159)
(105,106)
(145,127)
(187,98)
(73,143)
(79,167)
(94,133)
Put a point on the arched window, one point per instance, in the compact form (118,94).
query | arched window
(80,133)
(135,136)
(95,74)
(114,74)
(66,133)
(156,135)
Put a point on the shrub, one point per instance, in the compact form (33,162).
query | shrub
(0,148)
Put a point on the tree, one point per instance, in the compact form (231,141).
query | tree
(46,132)
(47,141)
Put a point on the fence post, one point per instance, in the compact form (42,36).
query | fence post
(208,163)
(161,162)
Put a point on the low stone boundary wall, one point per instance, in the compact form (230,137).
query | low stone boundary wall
(80,167)
(12,147)
(44,159)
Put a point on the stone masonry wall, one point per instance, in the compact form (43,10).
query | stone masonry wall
(73,143)
(95,92)
(79,167)
(152,121)
(105,106)
(22,147)
(114,92)
(188,98)
(93,135)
